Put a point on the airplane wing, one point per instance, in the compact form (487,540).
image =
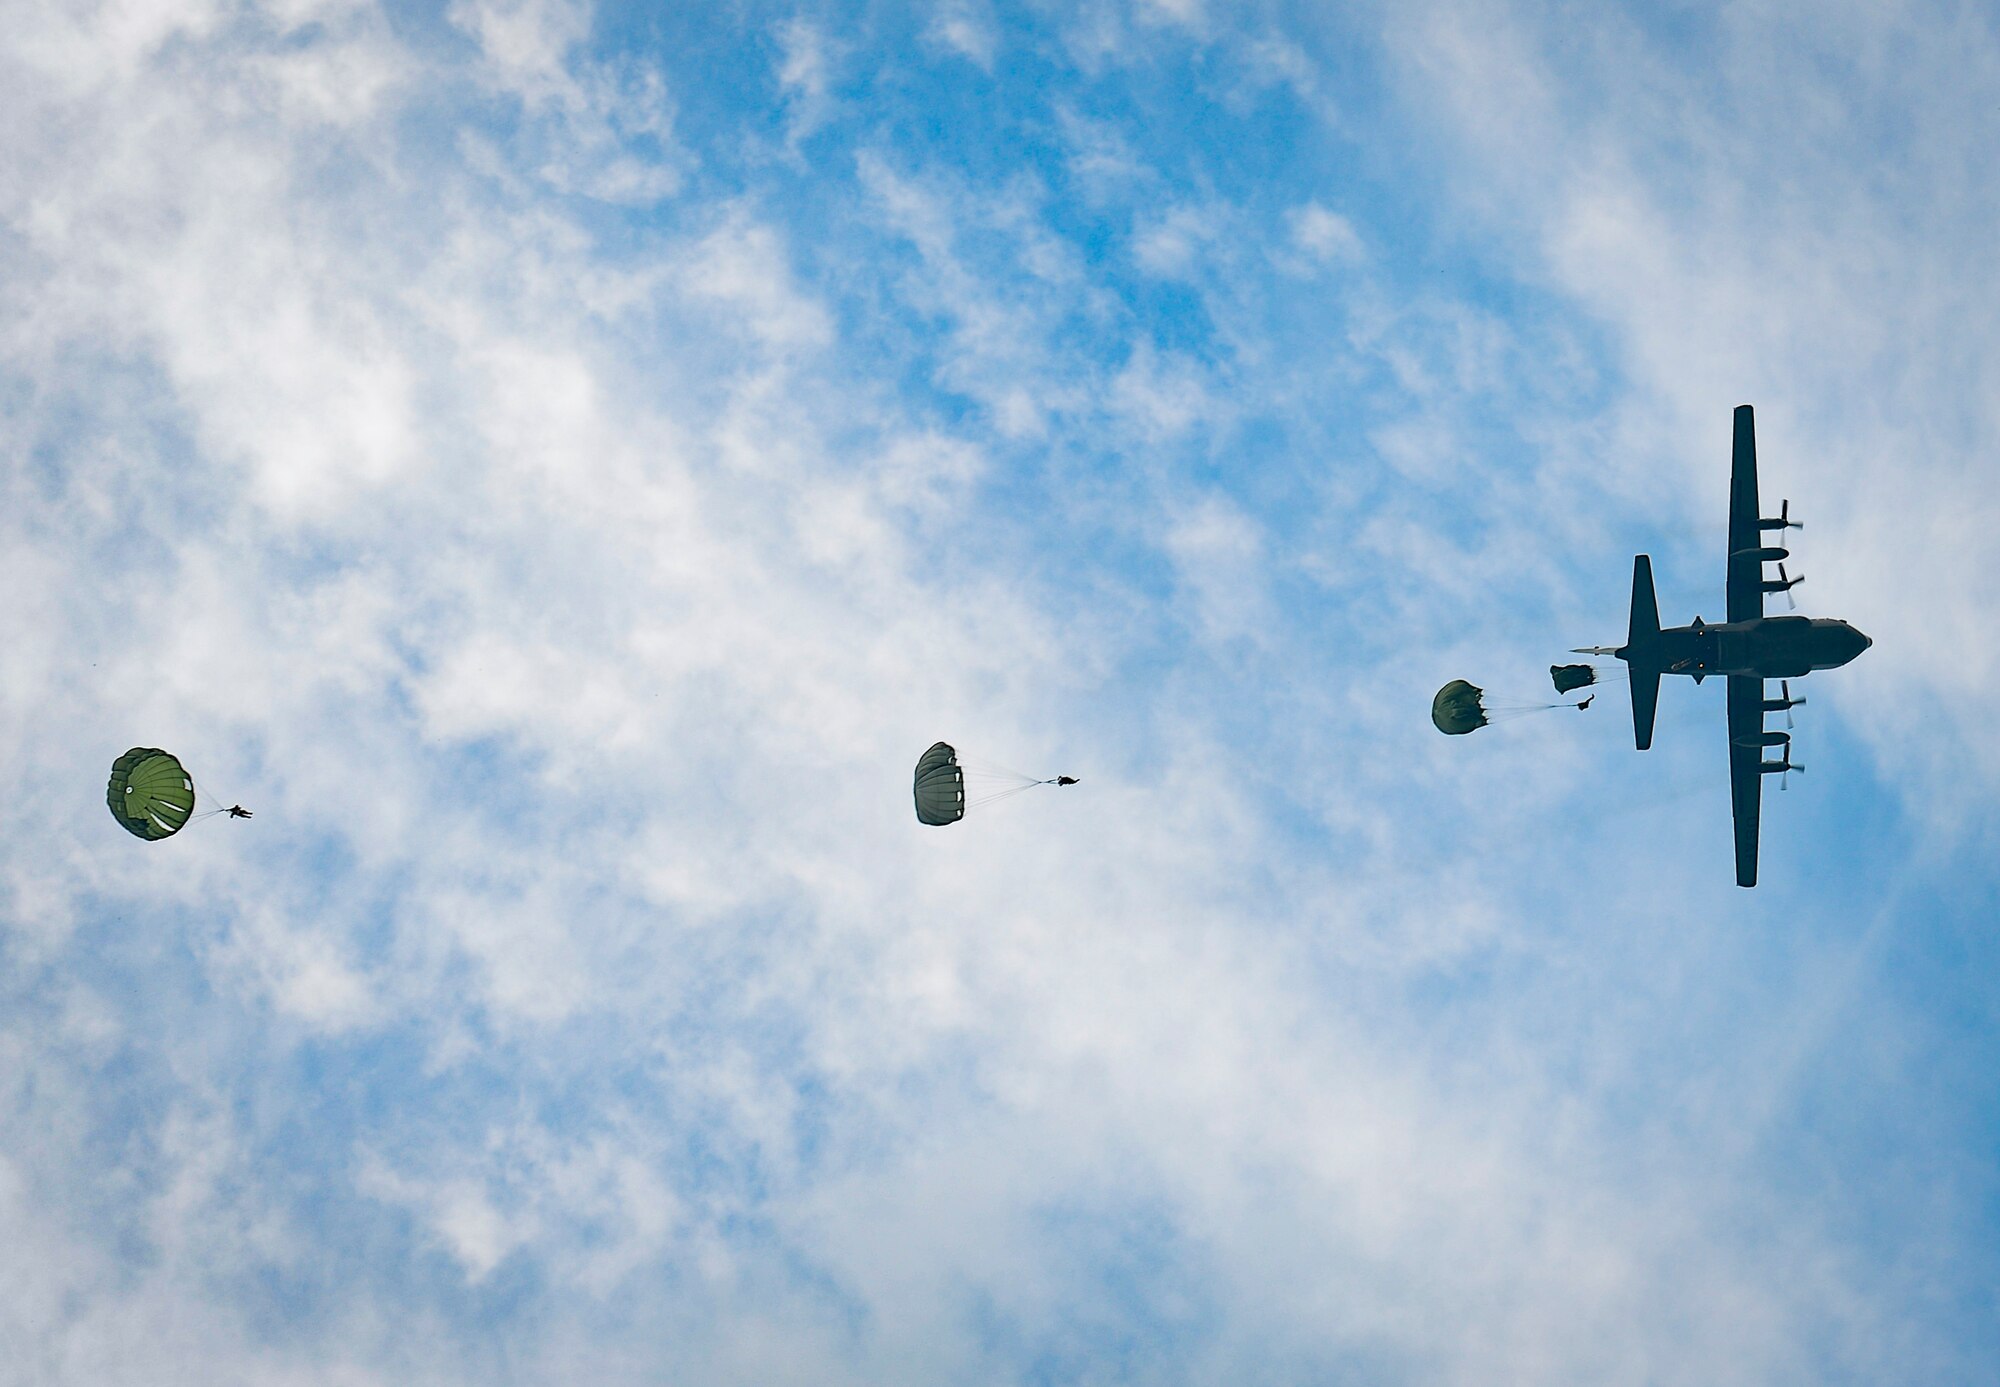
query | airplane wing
(1745,585)
(1746,774)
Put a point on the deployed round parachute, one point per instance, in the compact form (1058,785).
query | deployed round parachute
(150,794)
(1568,678)
(939,786)
(946,785)
(1457,709)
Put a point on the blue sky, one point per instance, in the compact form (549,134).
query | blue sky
(561,465)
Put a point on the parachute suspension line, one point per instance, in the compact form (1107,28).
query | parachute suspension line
(212,797)
(995,796)
(202,792)
(979,768)
(1461,707)
(987,782)
(1508,712)
(1013,790)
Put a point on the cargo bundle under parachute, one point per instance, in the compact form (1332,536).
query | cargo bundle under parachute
(939,786)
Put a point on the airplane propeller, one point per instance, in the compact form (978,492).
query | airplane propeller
(1784,520)
(1784,702)
(1783,583)
(1788,766)
(1781,768)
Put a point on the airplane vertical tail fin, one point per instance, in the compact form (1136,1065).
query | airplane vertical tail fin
(1641,638)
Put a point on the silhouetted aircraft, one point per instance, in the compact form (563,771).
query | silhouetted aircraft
(1749,648)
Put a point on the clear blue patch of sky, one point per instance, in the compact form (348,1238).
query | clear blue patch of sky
(1132,1299)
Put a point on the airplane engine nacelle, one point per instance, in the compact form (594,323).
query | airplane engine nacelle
(1766,739)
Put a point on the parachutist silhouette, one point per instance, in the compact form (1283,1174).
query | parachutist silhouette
(1065,780)
(237,811)
(1585,704)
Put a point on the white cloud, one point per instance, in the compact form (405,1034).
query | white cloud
(1325,234)
(742,265)
(966,28)
(1161,396)
(594,129)
(1220,556)
(526,42)
(1186,14)
(807,58)
(1174,243)
(459,1214)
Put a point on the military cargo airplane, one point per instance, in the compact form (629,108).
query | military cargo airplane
(1748,648)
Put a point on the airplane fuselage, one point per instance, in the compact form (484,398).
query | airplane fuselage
(1770,647)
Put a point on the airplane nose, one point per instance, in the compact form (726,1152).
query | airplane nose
(1866,643)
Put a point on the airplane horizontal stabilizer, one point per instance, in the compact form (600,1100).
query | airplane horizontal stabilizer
(1641,652)
(1644,630)
(1645,702)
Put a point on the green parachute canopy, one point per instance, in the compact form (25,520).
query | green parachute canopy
(1571,677)
(149,794)
(1457,710)
(939,786)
